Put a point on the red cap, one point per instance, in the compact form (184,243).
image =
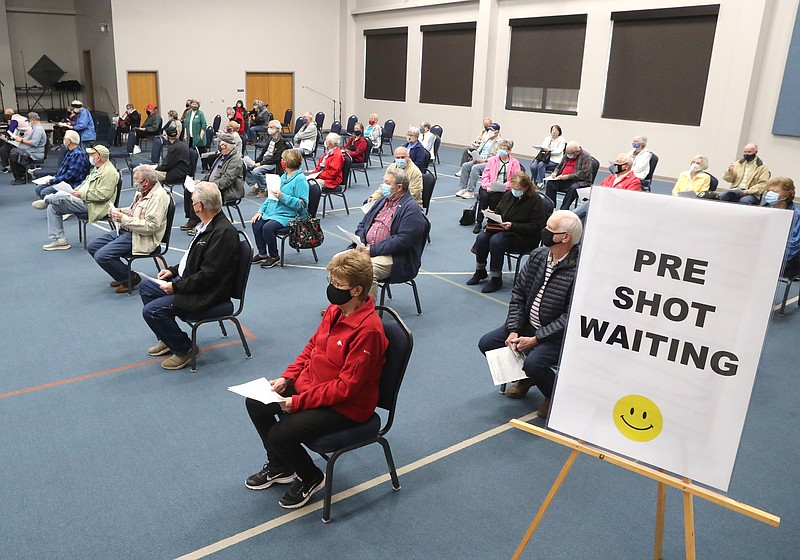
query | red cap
(150,106)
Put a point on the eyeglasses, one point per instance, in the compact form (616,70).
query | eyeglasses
(337,285)
(557,232)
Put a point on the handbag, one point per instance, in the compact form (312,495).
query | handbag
(468,216)
(305,234)
(494,226)
(543,156)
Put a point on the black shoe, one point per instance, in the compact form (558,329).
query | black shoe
(21,181)
(268,476)
(300,492)
(495,283)
(188,225)
(478,227)
(259,258)
(269,262)
(480,274)
(190,232)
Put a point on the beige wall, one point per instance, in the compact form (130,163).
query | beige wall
(750,47)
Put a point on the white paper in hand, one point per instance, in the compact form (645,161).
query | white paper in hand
(352,237)
(42,180)
(494,216)
(368,206)
(160,283)
(259,390)
(248,161)
(63,187)
(505,365)
(188,184)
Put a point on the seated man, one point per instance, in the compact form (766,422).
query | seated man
(151,126)
(641,157)
(392,232)
(17,124)
(330,164)
(73,170)
(31,147)
(748,178)
(268,161)
(177,163)
(356,145)
(403,161)
(141,229)
(622,177)
(416,151)
(471,170)
(258,119)
(306,138)
(204,278)
(90,199)
(479,139)
(538,311)
(574,172)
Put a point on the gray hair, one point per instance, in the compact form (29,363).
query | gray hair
(413,131)
(73,137)
(509,144)
(568,221)
(400,177)
(195,100)
(276,124)
(704,160)
(146,172)
(625,158)
(642,139)
(333,138)
(32,115)
(208,195)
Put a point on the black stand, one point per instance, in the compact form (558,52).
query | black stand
(331,99)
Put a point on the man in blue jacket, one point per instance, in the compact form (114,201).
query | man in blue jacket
(393,232)
(84,125)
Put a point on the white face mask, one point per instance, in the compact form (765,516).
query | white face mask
(694,167)
(271,131)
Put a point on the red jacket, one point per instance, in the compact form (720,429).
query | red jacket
(357,148)
(341,365)
(332,174)
(629,182)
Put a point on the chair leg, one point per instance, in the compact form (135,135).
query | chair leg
(516,270)
(236,322)
(390,463)
(326,507)
(324,204)
(222,328)
(346,208)
(416,297)
(283,249)
(314,252)
(241,218)
(383,292)
(785,297)
(194,345)
(230,216)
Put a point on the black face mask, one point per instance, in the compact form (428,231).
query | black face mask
(547,238)
(337,296)
(188,104)
(748,157)
(617,168)
(356,133)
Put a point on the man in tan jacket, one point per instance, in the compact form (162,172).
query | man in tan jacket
(748,178)
(141,229)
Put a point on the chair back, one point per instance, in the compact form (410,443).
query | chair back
(155,151)
(388,131)
(314,196)
(170,220)
(424,241)
(548,205)
(428,184)
(131,143)
(298,124)
(242,270)
(351,124)
(437,141)
(649,179)
(427,162)
(209,137)
(595,169)
(194,156)
(287,118)
(336,127)
(118,194)
(714,182)
(217,122)
(346,165)
(437,130)
(398,354)
(111,137)
(319,118)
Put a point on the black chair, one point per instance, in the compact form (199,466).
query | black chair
(549,207)
(225,311)
(84,222)
(159,252)
(362,166)
(217,122)
(312,155)
(437,141)
(125,153)
(437,130)
(387,135)
(384,285)
(336,127)
(428,184)
(648,181)
(319,118)
(788,280)
(714,182)
(351,126)
(333,446)
(298,124)
(234,203)
(314,196)
(595,169)
(194,157)
(338,190)
(210,134)
(287,120)
(155,156)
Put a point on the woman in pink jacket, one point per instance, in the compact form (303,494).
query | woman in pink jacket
(494,180)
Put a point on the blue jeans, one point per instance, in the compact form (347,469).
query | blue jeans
(107,249)
(43,190)
(566,186)
(256,175)
(266,240)
(740,196)
(538,169)
(539,362)
(159,313)
(253,131)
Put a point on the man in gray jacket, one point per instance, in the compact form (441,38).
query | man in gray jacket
(537,313)
(31,147)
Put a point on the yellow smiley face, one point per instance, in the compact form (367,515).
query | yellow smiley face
(638,418)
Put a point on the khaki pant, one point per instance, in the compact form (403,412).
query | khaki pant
(381,270)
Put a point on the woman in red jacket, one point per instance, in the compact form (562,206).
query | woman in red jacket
(331,386)
(330,164)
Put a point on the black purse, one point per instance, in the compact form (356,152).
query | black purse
(543,156)
(305,234)
(468,216)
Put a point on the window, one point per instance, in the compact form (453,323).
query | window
(545,62)
(658,65)
(385,63)
(448,62)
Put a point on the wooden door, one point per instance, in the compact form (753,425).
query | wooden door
(142,90)
(276,89)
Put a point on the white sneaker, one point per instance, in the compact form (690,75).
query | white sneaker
(137,150)
(458,173)
(66,216)
(57,245)
(461,192)
(468,194)
(39,204)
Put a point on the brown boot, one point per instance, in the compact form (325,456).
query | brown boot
(544,409)
(519,389)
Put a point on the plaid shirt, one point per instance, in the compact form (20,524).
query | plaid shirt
(74,169)
(382,224)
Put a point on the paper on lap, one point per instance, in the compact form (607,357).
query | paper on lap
(63,187)
(259,390)
(505,365)
(42,180)
(352,237)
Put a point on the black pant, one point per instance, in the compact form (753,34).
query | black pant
(19,164)
(487,199)
(188,209)
(494,244)
(567,186)
(5,150)
(283,438)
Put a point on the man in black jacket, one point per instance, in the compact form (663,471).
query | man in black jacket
(268,161)
(537,313)
(204,278)
(176,165)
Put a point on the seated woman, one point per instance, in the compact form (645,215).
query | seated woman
(292,199)
(499,169)
(549,155)
(331,386)
(329,167)
(427,138)
(374,130)
(523,219)
(239,115)
(780,194)
(693,179)
(356,145)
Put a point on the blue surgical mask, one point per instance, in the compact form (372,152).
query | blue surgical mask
(571,156)
(636,145)
(502,153)
(517,193)
(770,197)
(386,190)
(401,163)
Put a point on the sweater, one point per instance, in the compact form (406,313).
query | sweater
(526,215)
(294,189)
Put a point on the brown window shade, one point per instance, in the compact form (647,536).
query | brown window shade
(545,62)
(448,63)
(386,63)
(658,66)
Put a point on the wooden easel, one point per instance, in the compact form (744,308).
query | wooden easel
(685,485)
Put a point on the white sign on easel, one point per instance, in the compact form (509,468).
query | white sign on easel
(668,317)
